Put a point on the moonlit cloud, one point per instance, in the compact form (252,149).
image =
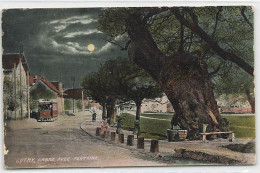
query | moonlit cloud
(59,28)
(75,19)
(87,32)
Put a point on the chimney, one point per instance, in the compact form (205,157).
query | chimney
(58,85)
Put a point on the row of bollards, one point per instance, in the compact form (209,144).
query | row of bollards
(130,140)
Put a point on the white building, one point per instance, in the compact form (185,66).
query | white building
(156,105)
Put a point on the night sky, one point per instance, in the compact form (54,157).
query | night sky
(55,41)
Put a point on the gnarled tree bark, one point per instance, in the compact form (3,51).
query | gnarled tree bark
(111,110)
(104,110)
(183,77)
(138,109)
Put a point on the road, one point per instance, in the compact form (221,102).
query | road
(62,143)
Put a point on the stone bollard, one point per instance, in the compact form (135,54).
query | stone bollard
(182,134)
(98,130)
(130,140)
(140,143)
(113,136)
(121,138)
(107,134)
(170,135)
(232,137)
(103,135)
(154,146)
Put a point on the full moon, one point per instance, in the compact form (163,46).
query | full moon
(91,47)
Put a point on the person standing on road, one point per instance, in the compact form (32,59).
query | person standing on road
(118,126)
(137,128)
(104,126)
(94,115)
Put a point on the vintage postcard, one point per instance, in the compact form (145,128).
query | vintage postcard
(117,87)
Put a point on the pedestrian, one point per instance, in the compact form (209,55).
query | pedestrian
(94,116)
(137,128)
(104,126)
(174,121)
(118,126)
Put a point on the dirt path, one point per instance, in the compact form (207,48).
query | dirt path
(62,143)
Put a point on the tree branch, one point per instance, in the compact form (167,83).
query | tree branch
(116,44)
(154,11)
(194,27)
(216,22)
(216,70)
(182,38)
(246,19)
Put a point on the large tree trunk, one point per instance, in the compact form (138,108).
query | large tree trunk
(111,112)
(186,82)
(138,110)
(251,100)
(183,77)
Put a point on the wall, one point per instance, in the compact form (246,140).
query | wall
(41,91)
(19,79)
(60,102)
(158,105)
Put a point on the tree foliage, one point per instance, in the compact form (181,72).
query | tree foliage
(223,35)
(8,99)
(181,48)
(119,79)
(40,91)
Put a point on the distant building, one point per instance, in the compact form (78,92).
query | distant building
(42,89)
(74,99)
(128,106)
(16,96)
(90,104)
(156,105)
(80,101)
(233,104)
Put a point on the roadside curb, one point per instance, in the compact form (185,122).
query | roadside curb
(85,130)
(177,151)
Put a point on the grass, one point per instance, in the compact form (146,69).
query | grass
(243,126)
(167,116)
(150,128)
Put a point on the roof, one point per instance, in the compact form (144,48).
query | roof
(50,85)
(35,79)
(58,85)
(9,60)
(75,93)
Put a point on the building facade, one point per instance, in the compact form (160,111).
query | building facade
(157,105)
(42,89)
(16,86)
(74,99)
